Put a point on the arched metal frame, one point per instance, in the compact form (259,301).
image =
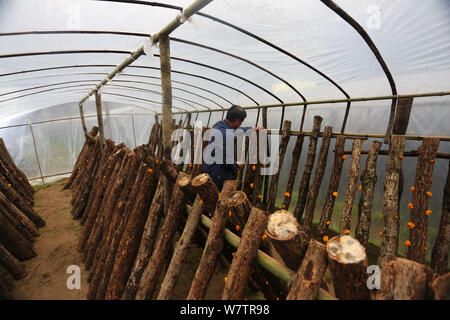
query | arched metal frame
(328,3)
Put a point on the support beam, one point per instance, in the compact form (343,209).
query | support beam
(98,104)
(166,84)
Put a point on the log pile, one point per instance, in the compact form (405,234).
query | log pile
(19,222)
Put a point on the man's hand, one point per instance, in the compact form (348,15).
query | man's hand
(259,128)
(240,164)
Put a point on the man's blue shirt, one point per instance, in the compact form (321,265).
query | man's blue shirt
(219,173)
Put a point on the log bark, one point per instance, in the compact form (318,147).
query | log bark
(304,183)
(239,210)
(14,242)
(389,245)
(20,220)
(26,233)
(155,265)
(207,190)
(242,264)
(422,194)
(348,266)
(11,264)
(274,181)
(439,256)
(129,244)
(403,279)
(309,276)
(213,246)
(317,182)
(441,287)
(346,215)
(333,186)
(291,247)
(147,243)
(296,153)
(368,181)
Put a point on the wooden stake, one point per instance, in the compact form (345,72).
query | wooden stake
(241,266)
(421,196)
(98,104)
(317,182)
(274,181)
(166,84)
(439,256)
(346,215)
(304,183)
(310,274)
(368,181)
(296,153)
(207,190)
(391,213)
(333,186)
(403,279)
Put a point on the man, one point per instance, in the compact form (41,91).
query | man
(220,172)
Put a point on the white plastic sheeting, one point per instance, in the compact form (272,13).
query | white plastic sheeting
(413,37)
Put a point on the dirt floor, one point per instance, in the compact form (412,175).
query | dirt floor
(56,251)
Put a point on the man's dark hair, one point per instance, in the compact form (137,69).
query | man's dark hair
(236,112)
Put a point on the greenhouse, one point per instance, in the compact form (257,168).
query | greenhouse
(119,181)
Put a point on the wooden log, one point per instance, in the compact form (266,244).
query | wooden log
(441,287)
(439,256)
(309,276)
(93,211)
(147,243)
(23,222)
(132,178)
(11,264)
(333,186)
(6,157)
(348,267)
(11,179)
(389,244)
(421,195)
(25,232)
(81,157)
(155,265)
(346,215)
(14,242)
(180,252)
(288,237)
(213,246)
(317,182)
(242,264)
(296,153)
(90,153)
(403,279)
(129,244)
(207,190)
(304,183)
(239,210)
(274,180)
(368,181)
(21,204)
(251,175)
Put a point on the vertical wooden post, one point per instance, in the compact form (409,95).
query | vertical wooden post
(134,128)
(439,256)
(304,183)
(317,182)
(35,150)
(368,181)
(274,181)
(166,83)
(83,122)
(98,104)
(346,215)
(333,186)
(296,153)
(422,194)
(389,245)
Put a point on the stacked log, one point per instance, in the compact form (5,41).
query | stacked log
(19,222)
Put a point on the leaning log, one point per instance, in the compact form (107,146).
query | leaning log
(207,190)
(421,196)
(11,264)
(439,256)
(348,267)
(14,242)
(309,276)
(441,287)
(242,264)
(213,246)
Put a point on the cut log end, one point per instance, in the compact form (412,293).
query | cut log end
(200,179)
(346,249)
(282,225)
